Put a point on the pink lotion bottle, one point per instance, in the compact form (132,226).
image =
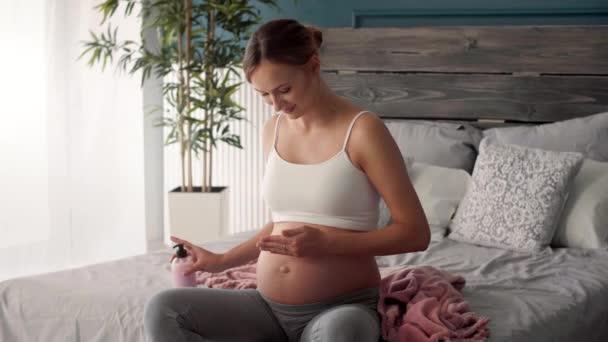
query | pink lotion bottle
(179,265)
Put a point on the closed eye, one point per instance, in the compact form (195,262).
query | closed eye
(282,91)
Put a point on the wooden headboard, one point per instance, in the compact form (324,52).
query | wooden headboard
(493,74)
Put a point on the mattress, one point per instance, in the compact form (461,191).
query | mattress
(557,295)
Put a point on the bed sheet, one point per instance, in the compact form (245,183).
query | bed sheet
(558,295)
(96,303)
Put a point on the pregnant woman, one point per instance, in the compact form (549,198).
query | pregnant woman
(327,164)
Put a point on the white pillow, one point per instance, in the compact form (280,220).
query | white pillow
(515,197)
(587,135)
(584,220)
(439,189)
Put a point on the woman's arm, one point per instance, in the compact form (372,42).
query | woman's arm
(305,241)
(247,250)
(380,158)
(396,238)
(207,261)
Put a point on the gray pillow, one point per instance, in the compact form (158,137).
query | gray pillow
(515,197)
(588,135)
(437,143)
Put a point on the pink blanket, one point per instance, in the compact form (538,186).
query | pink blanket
(240,277)
(423,303)
(418,303)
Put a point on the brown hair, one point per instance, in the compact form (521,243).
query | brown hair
(281,41)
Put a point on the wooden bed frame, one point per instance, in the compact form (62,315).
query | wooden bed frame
(491,75)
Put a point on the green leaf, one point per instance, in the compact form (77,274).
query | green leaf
(214,96)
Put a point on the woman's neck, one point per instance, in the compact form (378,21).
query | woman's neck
(323,113)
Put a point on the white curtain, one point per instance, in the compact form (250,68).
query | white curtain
(71,142)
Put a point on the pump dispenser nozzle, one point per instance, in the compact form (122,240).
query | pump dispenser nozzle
(181,252)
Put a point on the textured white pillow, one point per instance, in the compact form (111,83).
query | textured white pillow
(515,197)
(439,189)
(584,220)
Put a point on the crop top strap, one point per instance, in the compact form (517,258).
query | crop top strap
(276,131)
(352,123)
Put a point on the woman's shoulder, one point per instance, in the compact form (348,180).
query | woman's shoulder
(353,109)
(366,121)
(368,129)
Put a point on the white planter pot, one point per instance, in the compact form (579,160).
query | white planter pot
(198,216)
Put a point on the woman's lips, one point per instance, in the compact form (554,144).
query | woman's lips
(289,110)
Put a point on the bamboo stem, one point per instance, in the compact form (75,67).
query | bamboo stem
(204,165)
(211,35)
(187,85)
(207,160)
(180,97)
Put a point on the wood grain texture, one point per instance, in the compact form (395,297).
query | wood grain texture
(580,50)
(471,97)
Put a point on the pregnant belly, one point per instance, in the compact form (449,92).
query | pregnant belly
(299,280)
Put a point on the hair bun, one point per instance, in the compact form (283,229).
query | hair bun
(317,35)
(284,41)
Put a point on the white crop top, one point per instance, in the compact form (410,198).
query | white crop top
(332,193)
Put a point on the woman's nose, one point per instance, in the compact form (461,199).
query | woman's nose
(277,103)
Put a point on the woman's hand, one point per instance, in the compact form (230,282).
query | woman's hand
(301,241)
(202,259)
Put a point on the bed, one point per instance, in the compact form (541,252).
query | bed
(559,295)
(460,80)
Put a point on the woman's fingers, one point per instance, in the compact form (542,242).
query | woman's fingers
(187,245)
(275,239)
(192,255)
(195,267)
(178,240)
(196,253)
(277,248)
(273,245)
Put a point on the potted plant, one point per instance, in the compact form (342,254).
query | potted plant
(201,45)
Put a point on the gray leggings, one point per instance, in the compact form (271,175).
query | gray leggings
(202,314)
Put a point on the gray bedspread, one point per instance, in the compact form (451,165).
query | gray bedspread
(559,295)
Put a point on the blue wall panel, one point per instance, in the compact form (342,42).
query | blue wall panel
(365,13)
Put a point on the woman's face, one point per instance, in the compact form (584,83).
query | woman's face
(286,87)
